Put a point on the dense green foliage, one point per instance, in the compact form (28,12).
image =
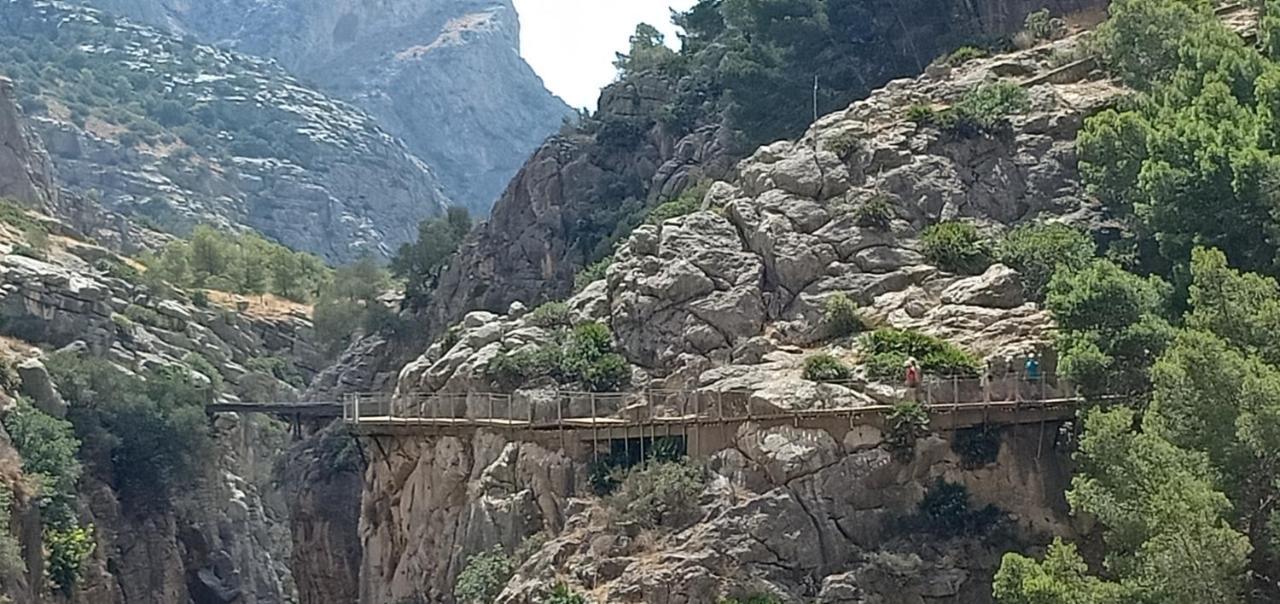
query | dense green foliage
(1111,326)
(840,316)
(688,202)
(659,494)
(549,314)
(583,355)
(822,367)
(591,273)
(67,550)
(562,594)
(889,349)
(1037,250)
(1192,159)
(349,304)
(985,109)
(1183,487)
(244,263)
(483,577)
(419,263)
(152,427)
(10,549)
(956,246)
(49,451)
(904,424)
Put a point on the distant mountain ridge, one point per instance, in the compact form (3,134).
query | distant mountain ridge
(444,75)
(176,134)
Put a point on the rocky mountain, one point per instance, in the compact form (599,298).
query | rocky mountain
(734,297)
(658,131)
(444,76)
(176,134)
(70,307)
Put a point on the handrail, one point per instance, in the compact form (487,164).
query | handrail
(555,409)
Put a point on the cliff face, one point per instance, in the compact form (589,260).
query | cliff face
(25,173)
(547,224)
(228,139)
(731,298)
(444,76)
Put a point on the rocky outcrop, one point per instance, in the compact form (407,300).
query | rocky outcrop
(64,299)
(444,76)
(248,145)
(731,298)
(25,172)
(786,511)
(430,503)
(571,194)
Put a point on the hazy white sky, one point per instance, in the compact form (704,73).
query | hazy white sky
(571,43)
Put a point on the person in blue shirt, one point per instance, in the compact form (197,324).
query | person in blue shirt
(1032,367)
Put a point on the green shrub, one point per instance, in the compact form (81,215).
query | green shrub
(840,315)
(756,598)
(984,109)
(67,551)
(823,367)
(688,202)
(906,423)
(11,562)
(1041,26)
(845,144)
(956,246)
(964,54)
(117,269)
(562,594)
(48,448)
(946,512)
(923,114)
(549,314)
(152,428)
(607,373)
(143,315)
(483,577)
(874,213)
(200,363)
(977,446)
(1037,250)
(278,367)
(659,494)
(200,298)
(889,349)
(591,273)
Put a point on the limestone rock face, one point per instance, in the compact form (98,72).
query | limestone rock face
(795,513)
(322,487)
(431,503)
(445,76)
(25,172)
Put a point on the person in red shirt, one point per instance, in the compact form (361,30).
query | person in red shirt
(912,373)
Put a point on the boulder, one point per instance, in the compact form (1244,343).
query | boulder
(37,386)
(997,287)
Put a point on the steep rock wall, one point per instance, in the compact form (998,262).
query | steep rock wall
(788,511)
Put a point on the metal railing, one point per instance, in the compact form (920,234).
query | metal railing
(555,409)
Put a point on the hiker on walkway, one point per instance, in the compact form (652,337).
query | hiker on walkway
(1032,370)
(988,374)
(912,378)
(1032,367)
